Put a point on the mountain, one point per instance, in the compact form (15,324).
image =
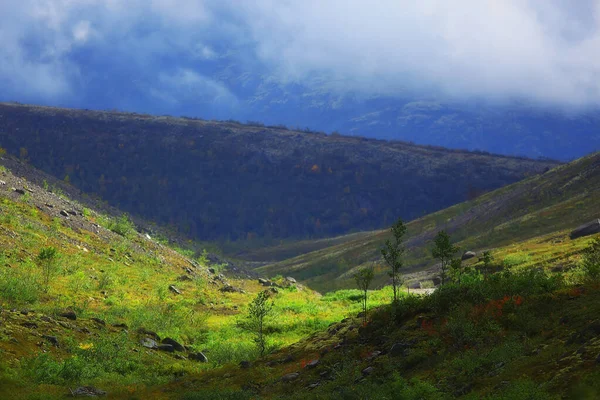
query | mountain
(561,198)
(227,181)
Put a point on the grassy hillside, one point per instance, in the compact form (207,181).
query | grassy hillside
(227,181)
(559,199)
(116,283)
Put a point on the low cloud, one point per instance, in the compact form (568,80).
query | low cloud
(542,51)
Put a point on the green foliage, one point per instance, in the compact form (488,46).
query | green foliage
(121,225)
(487,258)
(225,394)
(513,260)
(47,260)
(19,285)
(443,250)
(591,260)
(363,279)
(260,308)
(392,253)
(456,270)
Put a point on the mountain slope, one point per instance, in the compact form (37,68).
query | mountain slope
(219,181)
(559,199)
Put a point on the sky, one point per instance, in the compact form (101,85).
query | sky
(216,57)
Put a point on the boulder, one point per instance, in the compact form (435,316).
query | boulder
(231,289)
(468,255)
(64,213)
(52,339)
(184,278)
(368,371)
(173,289)
(398,349)
(290,279)
(69,314)
(587,229)
(87,391)
(437,281)
(148,332)
(414,285)
(149,343)
(19,191)
(312,364)
(199,356)
(98,321)
(290,377)
(264,282)
(176,345)
(166,347)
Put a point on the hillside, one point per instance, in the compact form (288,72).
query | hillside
(97,308)
(226,181)
(561,198)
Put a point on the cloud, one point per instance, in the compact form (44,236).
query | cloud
(543,51)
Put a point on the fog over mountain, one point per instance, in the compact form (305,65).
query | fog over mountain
(517,77)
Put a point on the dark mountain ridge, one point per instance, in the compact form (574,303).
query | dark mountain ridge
(226,181)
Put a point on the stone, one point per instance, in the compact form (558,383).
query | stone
(245,364)
(398,349)
(468,255)
(68,314)
(166,347)
(264,282)
(174,289)
(586,229)
(184,278)
(312,364)
(30,325)
(212,271)
(149,343)
(121,325)
(87,391)
(64,213)
(414,285)
(231,289)
(290,279)
(52,339)
(199,356)
(368,371)
(98,321)
(19,191)
(148,332)
(374,355)
(176,345)
(437,281)
(313,385)
(290,377)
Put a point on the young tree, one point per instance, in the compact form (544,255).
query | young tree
(392,253)
(47,260)
(456,269)
(443,250)
(363,279)
(591,260)
(487,258)
(259,309)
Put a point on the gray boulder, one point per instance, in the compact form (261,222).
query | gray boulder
(467,255)
(176,345)
(199,356)
(290,377)
(586,229)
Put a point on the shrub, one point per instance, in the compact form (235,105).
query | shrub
(122,225)
(591,260)
(47,260)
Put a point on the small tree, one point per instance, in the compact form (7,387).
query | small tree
(363,279)
(47,260)
(591,260)
(487,258)
(443,250)
(392,253)
(259,309)
(456,269)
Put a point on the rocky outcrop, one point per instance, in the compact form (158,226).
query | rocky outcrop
(586,229)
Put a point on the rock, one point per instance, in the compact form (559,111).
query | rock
(166,347)
(373,355)
(64,213)
(290,279)
(149,343)
(30,325)
(199,356)
(87,391)
(245,364)
(176,345)
(264,282)
(72,212)
(174,289)
(52,339)
(398,349)
(184,278)
(98,321)
(368,371)
(467,255)
(19,191)
(148,332)
(312,364)
(414,285)
(313,385)
(121,325)
(290,377)
(231,289)
(49,205)
(2,183)
(274,290)
(587,229)
(68,314)
(212,271)
(437,281)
